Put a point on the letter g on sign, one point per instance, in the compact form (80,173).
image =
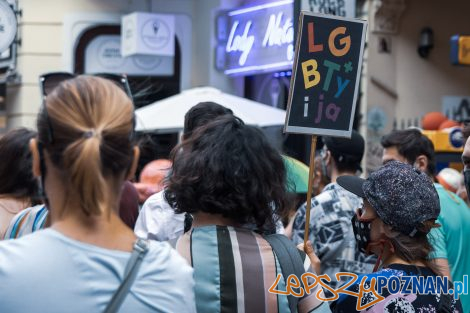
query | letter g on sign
(345,42)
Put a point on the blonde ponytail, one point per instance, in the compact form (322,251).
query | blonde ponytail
(92,121)
(83,160)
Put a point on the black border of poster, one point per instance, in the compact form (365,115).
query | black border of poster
(323,131)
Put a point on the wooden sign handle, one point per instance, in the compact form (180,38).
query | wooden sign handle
(311,175)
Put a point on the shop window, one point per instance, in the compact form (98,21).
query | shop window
(146,88)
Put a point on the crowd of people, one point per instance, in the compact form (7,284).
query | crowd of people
(211,229)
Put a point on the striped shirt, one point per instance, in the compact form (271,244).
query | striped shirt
(27,221)
(234,269)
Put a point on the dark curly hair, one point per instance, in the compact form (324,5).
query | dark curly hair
(16,169)
(229,168)
(201,114)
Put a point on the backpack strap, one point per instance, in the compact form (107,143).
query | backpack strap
(445,302)
(132,267)
(290,260)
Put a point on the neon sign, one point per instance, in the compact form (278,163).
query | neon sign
(277,34)
(242,43)
(260,39)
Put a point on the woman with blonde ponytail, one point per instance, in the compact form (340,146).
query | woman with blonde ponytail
(83,154)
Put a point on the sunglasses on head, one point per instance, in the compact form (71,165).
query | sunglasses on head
(48,82)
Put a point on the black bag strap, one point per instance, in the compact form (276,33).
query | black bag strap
(138,252)
(445,302)
(289,259)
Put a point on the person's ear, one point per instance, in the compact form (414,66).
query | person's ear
(316,178)
(421,163)
(329,158)
(326,156)
(135,162)
(318,175)
(33,147)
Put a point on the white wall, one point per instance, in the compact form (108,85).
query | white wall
(41,51)
(416,85)
(40,31)
(421,83)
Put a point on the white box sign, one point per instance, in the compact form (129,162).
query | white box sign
(148,34)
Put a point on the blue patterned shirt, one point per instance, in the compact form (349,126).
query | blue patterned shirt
(331,233)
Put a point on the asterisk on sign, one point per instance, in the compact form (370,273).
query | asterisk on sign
(348,67)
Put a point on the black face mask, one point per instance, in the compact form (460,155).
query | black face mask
(361,233)
(466,180)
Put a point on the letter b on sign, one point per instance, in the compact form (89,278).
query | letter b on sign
(309,69)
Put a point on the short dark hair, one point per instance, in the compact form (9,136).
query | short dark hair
(201,114)
(16,169)
(229,168)
(347,152)
(411,143)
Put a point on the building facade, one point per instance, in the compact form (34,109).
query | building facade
(398,84)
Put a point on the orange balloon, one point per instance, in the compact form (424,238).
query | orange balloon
(448,124)
(432,120)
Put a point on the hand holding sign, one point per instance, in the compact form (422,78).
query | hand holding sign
(325,81)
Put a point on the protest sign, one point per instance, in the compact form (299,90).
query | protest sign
(326,74)
(325,81)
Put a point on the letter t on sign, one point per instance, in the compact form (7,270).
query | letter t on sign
(312,47)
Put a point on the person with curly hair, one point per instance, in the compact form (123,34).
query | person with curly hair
(157,220)
(232,181)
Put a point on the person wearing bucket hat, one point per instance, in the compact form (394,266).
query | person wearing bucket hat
(400,207)
(449,242)
(330,216)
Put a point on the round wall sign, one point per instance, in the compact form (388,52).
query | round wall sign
(8,25)
(456,137)
(155,34)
